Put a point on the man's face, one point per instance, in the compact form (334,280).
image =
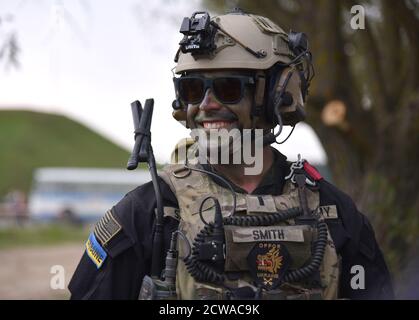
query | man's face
(211,113)
(219,124)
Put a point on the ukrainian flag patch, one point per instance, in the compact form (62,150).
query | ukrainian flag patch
(95,251)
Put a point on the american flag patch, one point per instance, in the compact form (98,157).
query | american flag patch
(106,228)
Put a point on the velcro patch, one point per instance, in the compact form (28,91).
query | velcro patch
(274,233)
(95,251)
(170,212)
(107,228)
(329,212)
(263,203)
(268,262)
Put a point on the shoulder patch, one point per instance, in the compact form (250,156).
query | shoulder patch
(95,251)
(170,212)
(106,228)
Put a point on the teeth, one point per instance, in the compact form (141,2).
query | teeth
(216,125)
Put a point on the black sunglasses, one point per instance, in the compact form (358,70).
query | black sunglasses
(228,89)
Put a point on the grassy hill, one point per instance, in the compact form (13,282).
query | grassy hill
(32,139)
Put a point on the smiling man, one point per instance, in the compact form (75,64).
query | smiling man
(219,114)
(281,232)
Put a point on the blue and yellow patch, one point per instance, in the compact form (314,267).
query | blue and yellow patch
(95,251)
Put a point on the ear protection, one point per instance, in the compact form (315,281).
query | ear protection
(285,91)
(287,85)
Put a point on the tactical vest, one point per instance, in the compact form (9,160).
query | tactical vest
(266,249)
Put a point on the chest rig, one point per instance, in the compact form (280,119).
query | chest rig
(269,247)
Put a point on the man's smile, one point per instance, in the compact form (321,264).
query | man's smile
(216,120)
(217,124)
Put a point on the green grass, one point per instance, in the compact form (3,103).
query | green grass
(32,139)
(42,235)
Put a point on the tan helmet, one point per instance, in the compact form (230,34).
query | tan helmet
(249,42)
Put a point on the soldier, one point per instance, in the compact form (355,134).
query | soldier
(281,232)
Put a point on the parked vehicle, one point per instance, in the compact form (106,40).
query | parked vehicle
(79,194)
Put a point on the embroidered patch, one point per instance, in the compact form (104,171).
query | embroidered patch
(329,212)
(95,251)
(268,262)
(106,228)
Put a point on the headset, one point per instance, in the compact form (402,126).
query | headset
(284,82)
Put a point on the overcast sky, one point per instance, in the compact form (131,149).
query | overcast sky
(89,59)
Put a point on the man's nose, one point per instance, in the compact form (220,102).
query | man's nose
(209,102)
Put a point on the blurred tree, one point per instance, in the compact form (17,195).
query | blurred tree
(9,45)
(364,105)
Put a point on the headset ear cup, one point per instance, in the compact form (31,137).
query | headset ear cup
(294,112)
(292,108)
(276,84)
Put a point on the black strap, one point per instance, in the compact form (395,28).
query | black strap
(300,179)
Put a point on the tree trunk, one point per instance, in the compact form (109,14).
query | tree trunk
(373,156)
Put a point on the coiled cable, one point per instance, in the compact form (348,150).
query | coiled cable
(202,272)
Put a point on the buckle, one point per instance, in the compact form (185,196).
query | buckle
(296,167)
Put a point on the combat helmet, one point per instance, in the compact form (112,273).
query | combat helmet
(280,61)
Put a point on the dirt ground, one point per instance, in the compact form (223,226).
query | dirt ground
(25,273)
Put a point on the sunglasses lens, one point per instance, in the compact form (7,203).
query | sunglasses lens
(191,90)
(228,90)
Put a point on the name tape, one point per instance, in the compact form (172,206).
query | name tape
(274,233)
(329,212)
